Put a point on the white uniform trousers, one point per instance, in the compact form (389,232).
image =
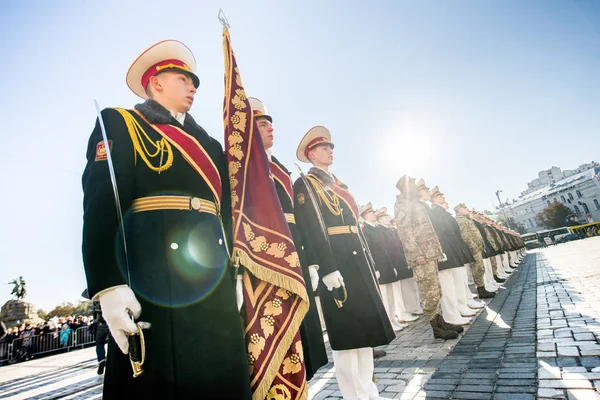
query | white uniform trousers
(354,373)
(459,277)
(449,301)
(490,283)
(401,313)
(387,294)
(507,268)
(410,294)
(469,280)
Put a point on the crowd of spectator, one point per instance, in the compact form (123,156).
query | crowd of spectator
(57,334)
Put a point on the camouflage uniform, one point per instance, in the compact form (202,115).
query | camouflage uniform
(420,241)
(471,235)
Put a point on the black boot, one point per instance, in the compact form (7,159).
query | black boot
(101,366)
(449,327)
(439,332)
(484,294)
(378,353)
(498,279)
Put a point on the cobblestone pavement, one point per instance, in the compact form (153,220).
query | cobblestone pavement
(538,338)
(66,376)
(568,307)
(417,366)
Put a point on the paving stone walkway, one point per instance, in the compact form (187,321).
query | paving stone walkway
(418,366)
(568,298)
(538,338)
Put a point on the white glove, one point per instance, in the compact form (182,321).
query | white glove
(377,274)
(444,257)
(333,280)
(118,306)
(314,276)
(239,291)
(395,272)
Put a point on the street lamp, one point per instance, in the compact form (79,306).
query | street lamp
(502,208)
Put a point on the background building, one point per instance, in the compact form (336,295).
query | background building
(578,189)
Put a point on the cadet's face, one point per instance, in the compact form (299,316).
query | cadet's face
(438,200)
(266,132)
(321,155)
(425,196)
(462,211)
(175,91)
(370,217)
(385,220)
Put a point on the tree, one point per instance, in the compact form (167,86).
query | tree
(42,314)
(63,310)
(513,224)
(85,308)
(554,216)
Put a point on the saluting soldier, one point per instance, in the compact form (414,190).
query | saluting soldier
(327,213)
(313,346)
(173,189)
(423,251)
(384,268)
(472,236)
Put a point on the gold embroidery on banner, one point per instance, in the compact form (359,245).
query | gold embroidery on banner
(283,293)
(234,198)
(234,167)
(266,324)
(277,250)
(235,138)
(279,392)
(238,78)
(259,244)
(257,345)
(293,260)
(293,363)
(239,120)
(236,151)
(273,307)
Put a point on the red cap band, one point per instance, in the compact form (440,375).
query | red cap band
(156,68)
(313,143)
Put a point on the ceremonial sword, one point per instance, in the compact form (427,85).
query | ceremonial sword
(137,344)
(338,302)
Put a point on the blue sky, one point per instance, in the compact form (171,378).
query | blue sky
(473,96)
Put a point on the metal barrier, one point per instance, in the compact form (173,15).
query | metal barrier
(83,336)
(24,347)
(5,351)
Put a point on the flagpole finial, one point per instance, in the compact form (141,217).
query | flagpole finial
(223,19)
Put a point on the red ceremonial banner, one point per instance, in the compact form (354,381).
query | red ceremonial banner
(275,297)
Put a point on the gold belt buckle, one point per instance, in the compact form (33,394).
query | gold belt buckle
(195,203)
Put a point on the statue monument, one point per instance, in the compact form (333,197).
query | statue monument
(17,310)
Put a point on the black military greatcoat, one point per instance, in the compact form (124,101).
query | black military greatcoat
(313,345)
(451,230)
(177,264)
(488,250)
(395,251)
(362,321)
(444,232)
(377,245)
